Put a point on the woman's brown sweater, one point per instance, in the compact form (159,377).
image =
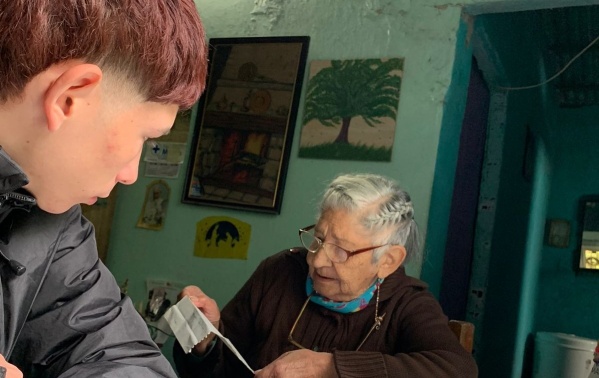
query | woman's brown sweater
(414,339)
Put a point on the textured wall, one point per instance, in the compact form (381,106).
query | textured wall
(421,31)
(565,296)
(423,34)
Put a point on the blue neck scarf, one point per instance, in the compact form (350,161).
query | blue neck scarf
(343,307)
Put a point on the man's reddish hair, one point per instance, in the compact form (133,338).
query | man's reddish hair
(159,45)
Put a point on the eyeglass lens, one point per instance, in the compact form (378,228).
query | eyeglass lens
(311,242)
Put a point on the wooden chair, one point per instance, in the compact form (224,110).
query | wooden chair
(464,331)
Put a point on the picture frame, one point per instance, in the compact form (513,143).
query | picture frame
(154,209)
(557,233)
(587,243)
(245,123)
(360,127)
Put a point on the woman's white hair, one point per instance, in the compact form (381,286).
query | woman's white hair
(387,209)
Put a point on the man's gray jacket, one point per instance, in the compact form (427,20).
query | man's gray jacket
(64,316)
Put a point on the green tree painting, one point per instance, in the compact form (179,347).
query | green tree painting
(351,108)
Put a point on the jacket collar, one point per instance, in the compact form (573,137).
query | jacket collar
(12,176)
(12,179)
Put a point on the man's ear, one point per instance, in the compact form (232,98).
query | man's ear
(391,260)
(69,91)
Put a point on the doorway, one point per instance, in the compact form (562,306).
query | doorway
(514,49)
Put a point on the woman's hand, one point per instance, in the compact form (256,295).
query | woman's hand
(11,370)
(301,363)
(209,307)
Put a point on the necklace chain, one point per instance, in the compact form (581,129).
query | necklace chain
(378,320)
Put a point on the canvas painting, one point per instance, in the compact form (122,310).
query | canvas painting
(351,109)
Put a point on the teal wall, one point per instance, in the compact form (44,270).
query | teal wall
(532,287)
(427,34)
(565,297)
(520,203)
(508,245)
(423,34)
(447,156)
(533,258)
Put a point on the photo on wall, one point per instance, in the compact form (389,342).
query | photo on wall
(351,109)
(153,211)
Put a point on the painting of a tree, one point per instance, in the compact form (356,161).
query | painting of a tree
(344,100)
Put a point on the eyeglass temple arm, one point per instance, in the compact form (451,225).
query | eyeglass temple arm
(377,324)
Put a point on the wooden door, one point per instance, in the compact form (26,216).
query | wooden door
(100,214)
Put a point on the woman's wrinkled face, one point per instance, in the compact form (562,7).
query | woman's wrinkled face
(348,280)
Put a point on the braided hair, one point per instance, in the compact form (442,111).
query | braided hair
(383,205)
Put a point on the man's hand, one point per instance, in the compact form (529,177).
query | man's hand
(209,307)
(301,363)
(7,370)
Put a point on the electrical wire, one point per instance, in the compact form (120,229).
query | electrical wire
(557,74)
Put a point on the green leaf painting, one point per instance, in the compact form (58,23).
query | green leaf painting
(351,109)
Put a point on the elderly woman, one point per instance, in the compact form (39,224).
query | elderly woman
(342,306)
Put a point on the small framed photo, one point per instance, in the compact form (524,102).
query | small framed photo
(153,212)
(557,233)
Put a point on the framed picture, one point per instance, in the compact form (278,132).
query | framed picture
(360,126)
(558,233)
(588,233)
(244,127)
(153,211)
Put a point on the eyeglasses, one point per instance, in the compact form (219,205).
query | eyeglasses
(336,253)
(377,324)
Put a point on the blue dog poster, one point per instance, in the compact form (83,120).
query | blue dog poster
(222,238)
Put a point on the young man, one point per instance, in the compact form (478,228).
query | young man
(83,84)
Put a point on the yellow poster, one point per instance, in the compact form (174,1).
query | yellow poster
(222,238)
